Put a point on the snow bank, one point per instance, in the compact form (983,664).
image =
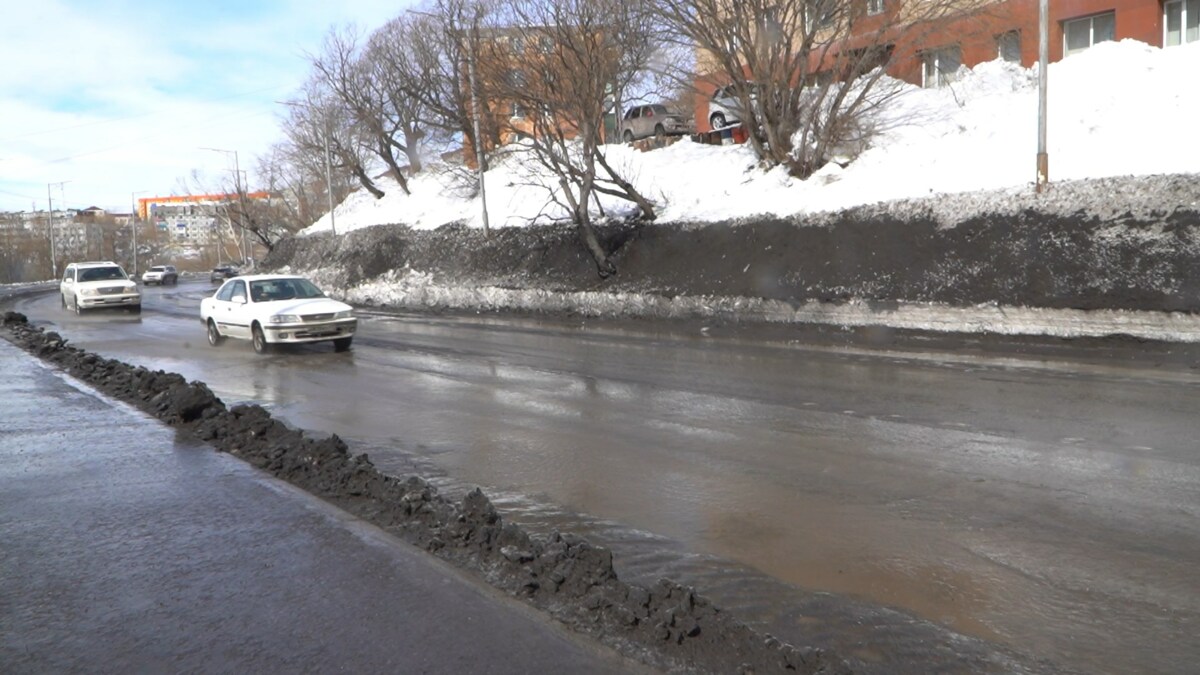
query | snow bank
(1111,113)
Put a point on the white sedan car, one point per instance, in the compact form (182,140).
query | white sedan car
(272,309)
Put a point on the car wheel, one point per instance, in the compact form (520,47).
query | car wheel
(63,298)
(135,309)
(342,344)
(717,120)
(628,136)
(660,134)
(214,334)
(78,307)
(261,346)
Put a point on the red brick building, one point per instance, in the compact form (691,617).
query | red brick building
(930,54)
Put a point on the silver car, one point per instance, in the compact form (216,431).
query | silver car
(642,121)
(725,108)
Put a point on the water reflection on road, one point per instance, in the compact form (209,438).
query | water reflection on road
(1044,507)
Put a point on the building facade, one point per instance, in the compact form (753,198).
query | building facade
(195,219)
(930,53)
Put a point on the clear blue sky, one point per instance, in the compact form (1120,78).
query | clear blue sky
(114,97)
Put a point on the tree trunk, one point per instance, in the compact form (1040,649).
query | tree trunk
(604,267)
(394,170)
(365,181)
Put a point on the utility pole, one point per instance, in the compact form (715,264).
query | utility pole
(53,253)
(237,186)
(328,161)
(50,204)
(133,222)
(329,179)
(475,120)
(1043,157)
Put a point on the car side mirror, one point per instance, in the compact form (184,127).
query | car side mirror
(240,299)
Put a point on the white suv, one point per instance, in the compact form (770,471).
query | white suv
(163,275)
(89,285)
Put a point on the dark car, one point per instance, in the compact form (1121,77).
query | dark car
(222,273)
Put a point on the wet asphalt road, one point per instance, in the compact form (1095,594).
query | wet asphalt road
(1046,510)
(125,548)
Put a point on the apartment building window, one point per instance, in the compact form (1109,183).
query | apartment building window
(864,60)
(874,7)
(820,12)
(1008,46)
(1079,34)
(1181,22)
(941,66)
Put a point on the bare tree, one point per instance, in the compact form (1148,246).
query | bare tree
(806,73)
(550,76)
(318,121)
(396,71)
(442,37)
(383,119)
(296,180)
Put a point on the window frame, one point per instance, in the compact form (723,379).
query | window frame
(1015,33)
(1184,16)
(1091,19)
(944,77)
(819,14)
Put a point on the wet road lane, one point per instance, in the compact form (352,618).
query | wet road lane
(1049,507)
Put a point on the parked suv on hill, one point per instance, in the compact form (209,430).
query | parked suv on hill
(91,285)
(163,275)
(653,120)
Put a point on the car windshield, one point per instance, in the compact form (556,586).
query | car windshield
(101,274)
(269,290)
(158,269)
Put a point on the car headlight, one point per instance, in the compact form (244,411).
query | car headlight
(285,318)
(88,291)
(345,314)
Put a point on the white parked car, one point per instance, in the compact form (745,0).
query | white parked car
(725,107)
(270,309)
(163,275)
(92,285)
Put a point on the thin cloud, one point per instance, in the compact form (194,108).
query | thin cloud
(118,96)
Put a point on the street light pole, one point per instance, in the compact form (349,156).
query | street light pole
(237,185)
(475,121)
(50,204)
(50,212)
(133,221)
(329,180)
(328,162)
(1043,157)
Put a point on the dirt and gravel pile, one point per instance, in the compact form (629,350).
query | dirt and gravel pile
(1130,243)
(667,625)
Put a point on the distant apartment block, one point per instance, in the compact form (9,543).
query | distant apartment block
(195,219)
